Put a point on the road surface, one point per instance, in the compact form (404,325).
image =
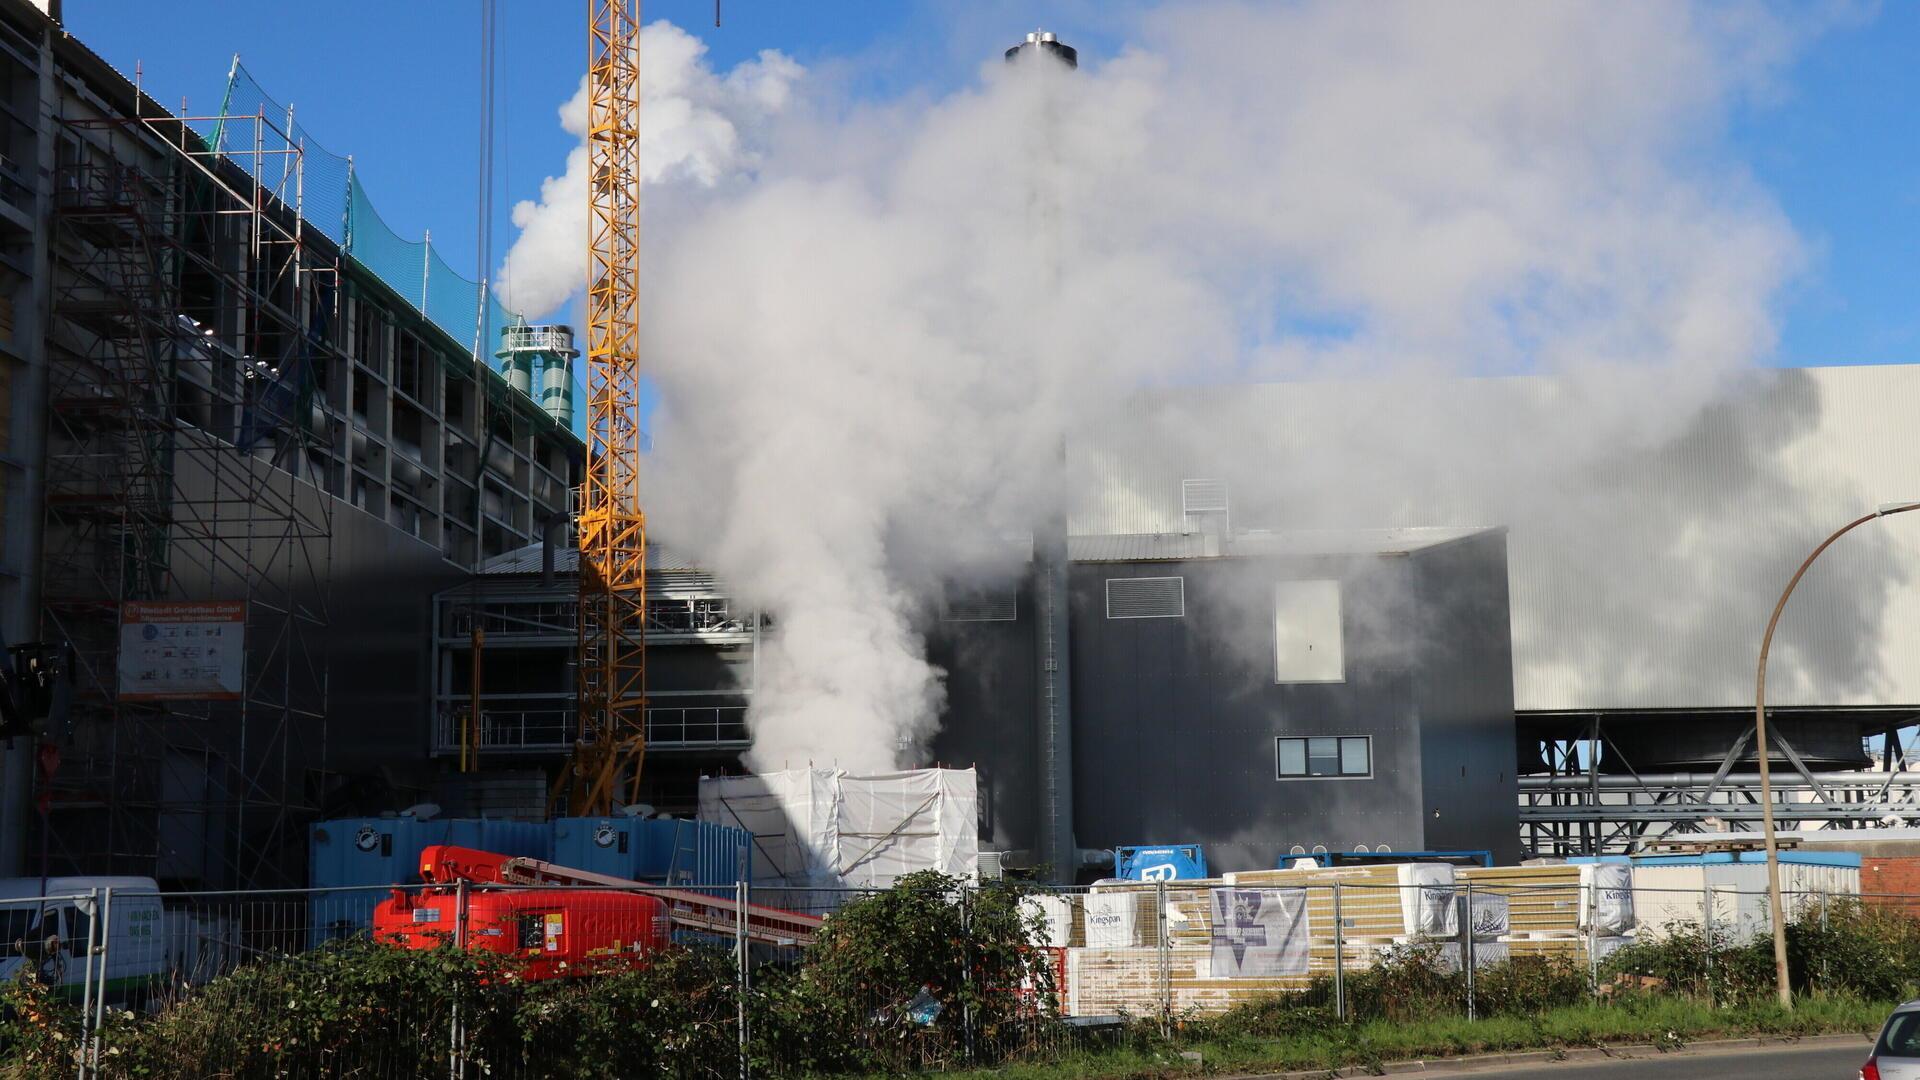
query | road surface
(1782,1062)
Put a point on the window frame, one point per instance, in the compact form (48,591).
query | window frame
(1307,757)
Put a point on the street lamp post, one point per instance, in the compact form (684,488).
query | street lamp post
(1760,737)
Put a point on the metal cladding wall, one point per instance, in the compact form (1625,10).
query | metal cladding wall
(991,686)
(1175,718)
(669,851)
(1463,691)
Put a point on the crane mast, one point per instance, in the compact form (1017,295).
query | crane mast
(611,743)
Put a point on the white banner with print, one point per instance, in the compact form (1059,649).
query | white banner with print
(1259,933)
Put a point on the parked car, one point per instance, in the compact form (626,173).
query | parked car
(1896,1055)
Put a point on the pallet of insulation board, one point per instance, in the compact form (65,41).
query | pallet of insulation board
(1107,982)
(1554,899)
(1119,967)
(1378,904)
(1572,947)
(1128,915)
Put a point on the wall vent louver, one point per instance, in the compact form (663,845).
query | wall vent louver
(979,605)
(1203,496)
(1146,598)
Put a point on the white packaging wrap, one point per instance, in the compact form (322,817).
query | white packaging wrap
(1491,916)
(1112,920)
(1054,914)
(1606,898)
(1427,908)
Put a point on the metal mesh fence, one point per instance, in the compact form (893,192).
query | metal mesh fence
(723,980)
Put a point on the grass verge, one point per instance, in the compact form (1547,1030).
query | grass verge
(1666,1022)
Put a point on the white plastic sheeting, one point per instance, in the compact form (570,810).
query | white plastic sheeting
(1606,898)
(1491,917)
(1054,917)
(1112,920)
(827,829)
(1427,908)
(1259,933)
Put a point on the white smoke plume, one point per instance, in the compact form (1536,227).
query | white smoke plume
(872,347)
(698,128)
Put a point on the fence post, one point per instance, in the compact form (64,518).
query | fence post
(1826,901)
(456,1060)
(1706,922)
(106,959)
(87,988)
(1466,946)
(740,901)
(1160,933)
(1339,958)
(966,973)
(1592,889)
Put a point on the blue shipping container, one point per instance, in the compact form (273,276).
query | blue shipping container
(664,851)
(1176,862)
(349,852)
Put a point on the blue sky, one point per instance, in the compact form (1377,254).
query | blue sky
(396,85)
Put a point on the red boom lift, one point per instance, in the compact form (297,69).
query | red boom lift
(581,923)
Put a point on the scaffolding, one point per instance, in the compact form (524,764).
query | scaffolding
(194,314)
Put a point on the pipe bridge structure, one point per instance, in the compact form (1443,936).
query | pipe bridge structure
(1591,801)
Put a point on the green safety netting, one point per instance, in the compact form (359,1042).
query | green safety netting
(261,135)
(402,264)
(258,133)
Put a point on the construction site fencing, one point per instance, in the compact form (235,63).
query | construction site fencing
(545,981)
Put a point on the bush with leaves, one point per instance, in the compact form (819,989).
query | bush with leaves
(1846,948)
(1528,985)
(677,1017)
(917,977)
(40,1030)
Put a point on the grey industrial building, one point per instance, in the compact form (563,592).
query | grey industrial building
(205,398)
(1257,693)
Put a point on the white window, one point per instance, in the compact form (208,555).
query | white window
(1146,598)
(1306,633)
(1307,757)
(1204,496)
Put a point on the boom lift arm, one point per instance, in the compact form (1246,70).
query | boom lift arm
(447,864)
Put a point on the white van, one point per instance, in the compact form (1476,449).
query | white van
(45,924)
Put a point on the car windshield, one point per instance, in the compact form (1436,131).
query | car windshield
(1901,1039)
(16,923)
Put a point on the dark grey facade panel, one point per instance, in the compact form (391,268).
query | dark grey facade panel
(991,684)
(1174,719)
(1464,686)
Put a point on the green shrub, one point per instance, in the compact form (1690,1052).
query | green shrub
(850,1004)
(1527,985)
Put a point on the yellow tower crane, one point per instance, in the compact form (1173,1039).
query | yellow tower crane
(611,745)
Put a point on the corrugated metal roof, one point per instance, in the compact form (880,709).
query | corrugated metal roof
(1648,538)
